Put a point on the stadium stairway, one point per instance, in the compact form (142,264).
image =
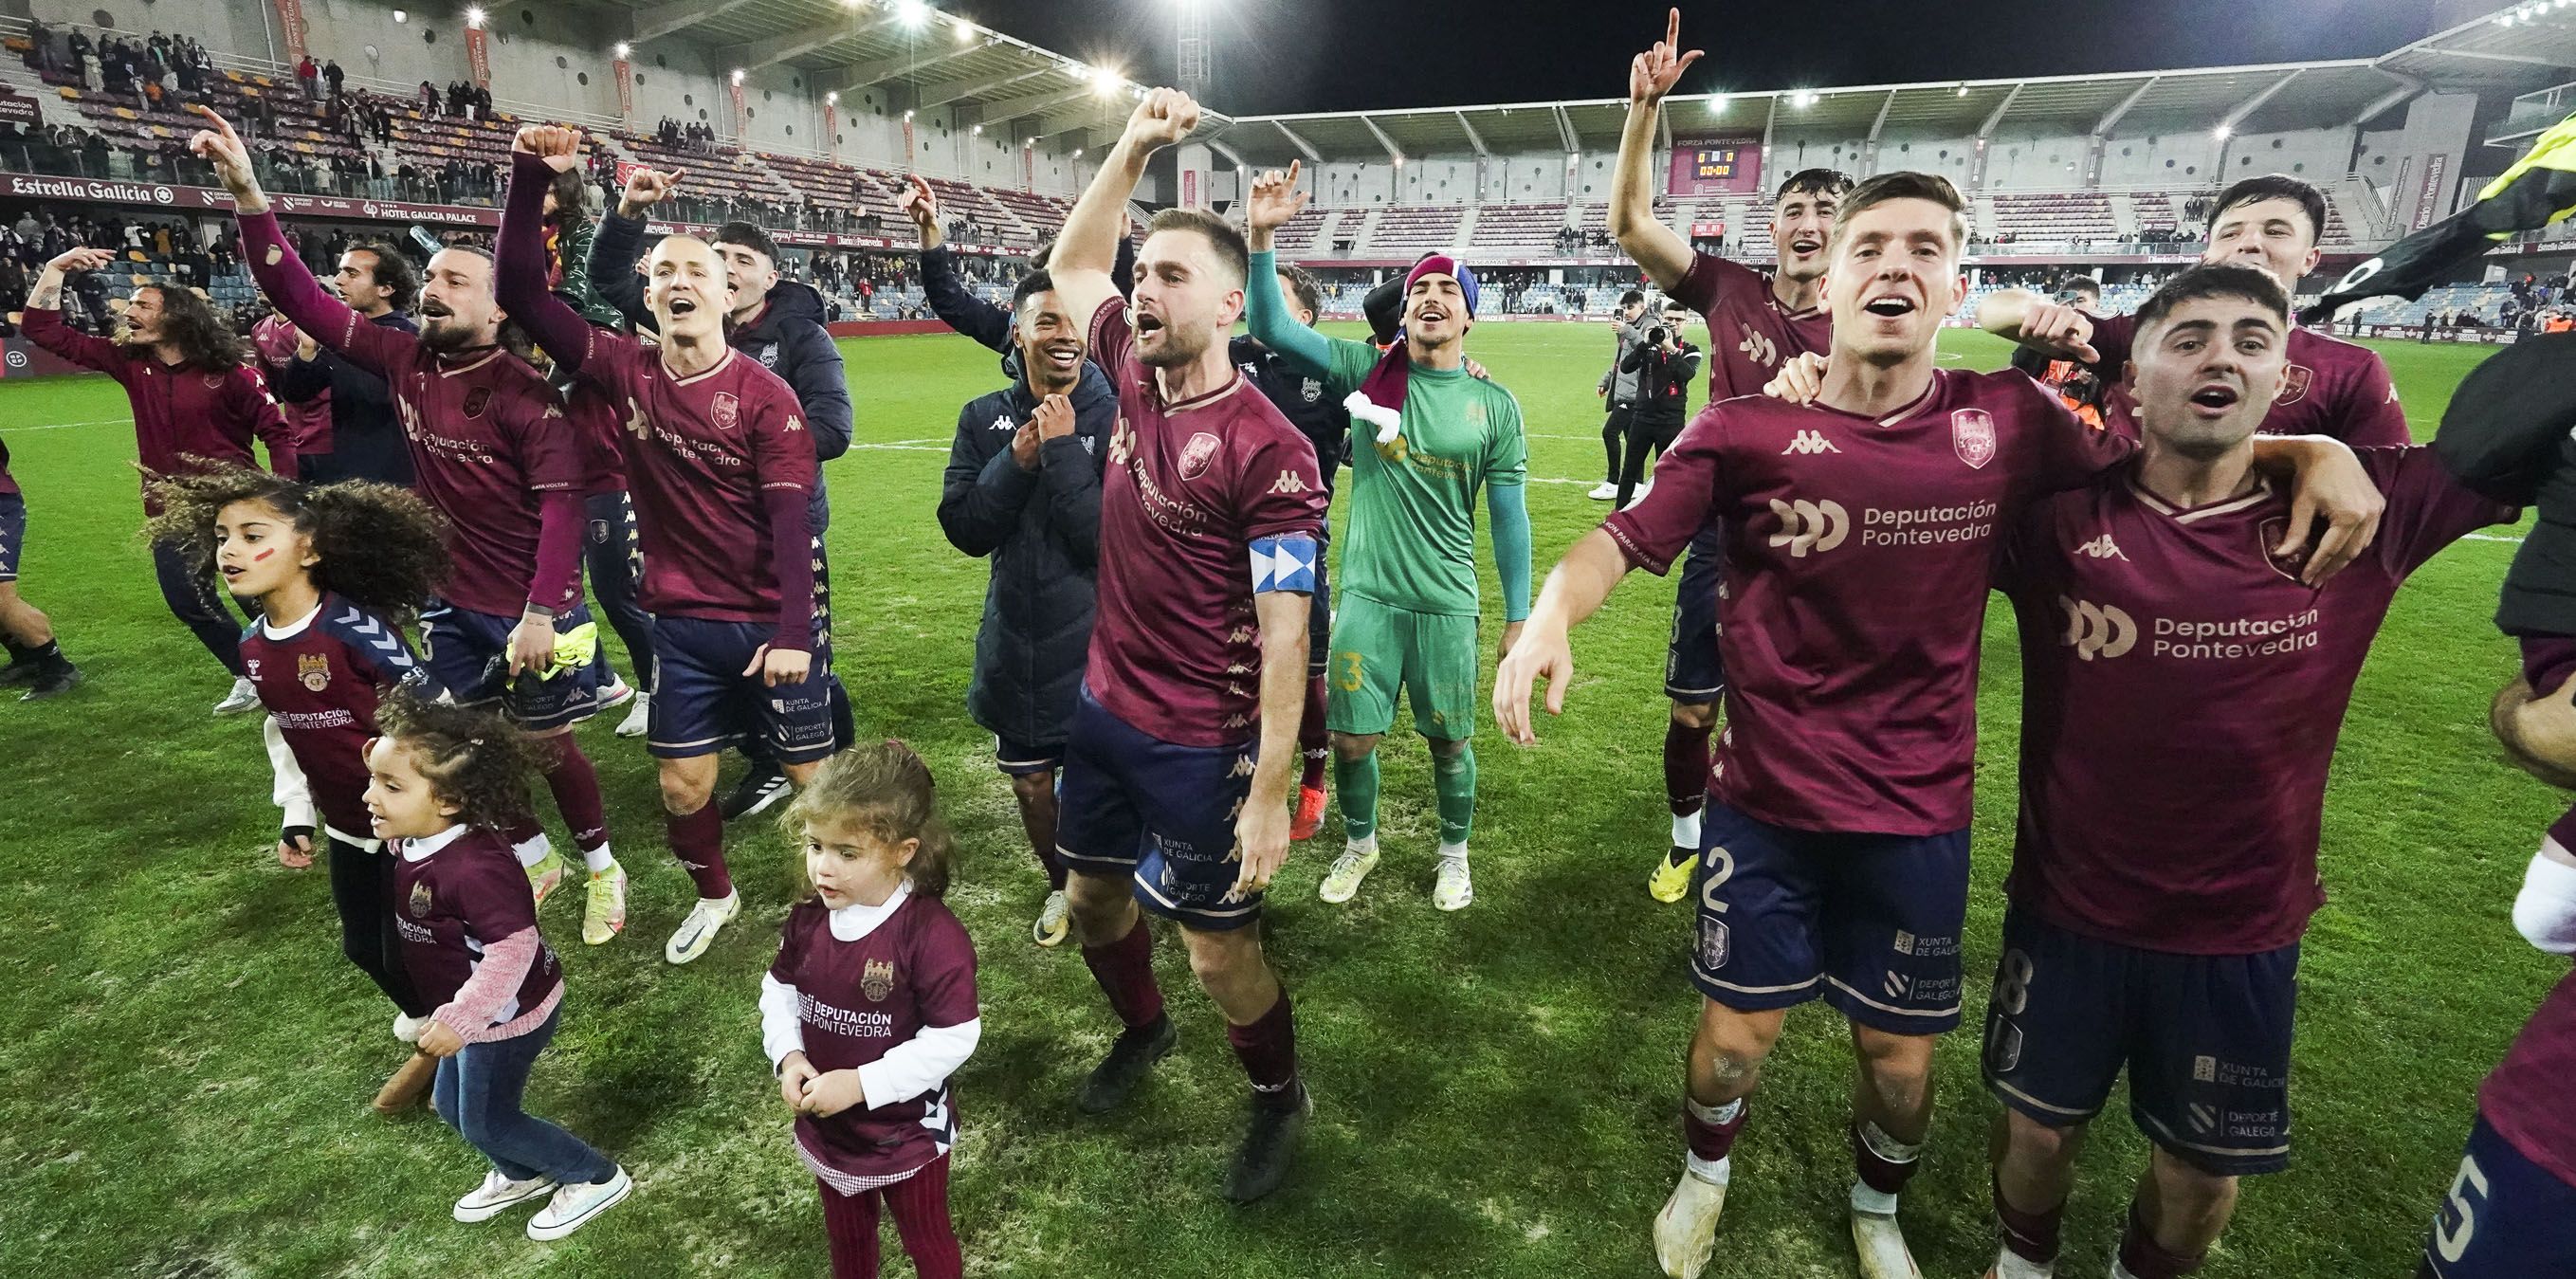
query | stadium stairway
(1466,233)
(2124,217)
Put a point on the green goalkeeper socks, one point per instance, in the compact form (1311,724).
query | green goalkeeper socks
(1355,780)
(1453,779)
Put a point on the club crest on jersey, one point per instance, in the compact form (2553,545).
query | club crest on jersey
(1198,454)
(477,400)
(876,981)
(727,411)
(1972,433)
(2267,535)
(313,670)
(419,899)
(1312,390)
(2294,384)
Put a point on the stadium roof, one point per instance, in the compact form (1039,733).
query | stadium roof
(2247,99)
(2514,49)
(918,56)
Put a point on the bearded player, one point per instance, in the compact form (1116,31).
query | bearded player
(721,472)
(492,451)
(1753,324)
(1431,435)
(1184,739)
(2156,913)
(1834,863)
(2329,387)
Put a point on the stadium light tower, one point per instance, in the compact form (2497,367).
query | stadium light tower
(1197,58)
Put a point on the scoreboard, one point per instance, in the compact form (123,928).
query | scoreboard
(1713,164)
(1710,165)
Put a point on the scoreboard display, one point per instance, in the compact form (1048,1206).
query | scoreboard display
(1714,164)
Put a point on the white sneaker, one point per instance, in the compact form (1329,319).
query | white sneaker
(638,720)
(244,697)
(1342,882)
(498,1193)
(1604,491)
(1455,890)
(1686,1230)
(1053,920)
(407,1028)
(613,696)
(1883,1254)
(698,931)
(574,1206)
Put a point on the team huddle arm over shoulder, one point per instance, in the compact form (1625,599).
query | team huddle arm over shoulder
(1265,312)
(2427,508)
(308,306)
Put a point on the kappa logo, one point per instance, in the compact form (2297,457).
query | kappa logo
(1972,434)
(2097,630)
(727,411)
(1809,526)
(1809,442)
(2101,548)
(1198,454)
(1242,766)
(1290,482)
(1758,348)
(1003,422)
(313,670)
(635,423)
(1122,443)
(876,981)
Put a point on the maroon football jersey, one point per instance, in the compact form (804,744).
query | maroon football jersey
(2525,1100)
(2331,387)
(1175,644)
(487,435)
(857,999)
(7,483)
(453,905)
(595,424)
(2181,696)
(1749,334)
(321,678)
(180,411)
(1858,554)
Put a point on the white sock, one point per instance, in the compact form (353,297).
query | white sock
(535,850)
(598,859)
(2119,1271)
(1877,1203)
(1365,844)
(1686,832)
(1449,851)
(1714,1172)
(2013,1265)
(1880,1202)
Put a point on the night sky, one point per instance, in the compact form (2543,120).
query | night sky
(1282,56)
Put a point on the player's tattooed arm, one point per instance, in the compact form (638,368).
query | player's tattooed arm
(1576,588)
(48,293)
(1661,252)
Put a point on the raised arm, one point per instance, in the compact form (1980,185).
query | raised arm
(621,240)
(43,317)
(1663,254)
(280,271)
(519,251)
(1087,248)
(949,298)
(1276,199)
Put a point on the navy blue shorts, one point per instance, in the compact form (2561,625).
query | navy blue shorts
(2205,1039)
(13,533)
(469,652)
(2504,1217)
(1694,674)
(1133,804)
(1020,759)
(702,701)
(1870,923)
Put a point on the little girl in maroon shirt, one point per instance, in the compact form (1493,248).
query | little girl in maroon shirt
(870,1007)
(444,782)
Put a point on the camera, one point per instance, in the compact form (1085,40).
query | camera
(1656,335)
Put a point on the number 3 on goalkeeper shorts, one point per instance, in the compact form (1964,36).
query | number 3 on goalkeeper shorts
(2459,1220)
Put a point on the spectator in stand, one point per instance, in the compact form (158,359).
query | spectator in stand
(332,75)
(308,75)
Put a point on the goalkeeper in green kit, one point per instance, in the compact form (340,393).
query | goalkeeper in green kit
(1426,436)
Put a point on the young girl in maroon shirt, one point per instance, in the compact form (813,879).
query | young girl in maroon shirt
(871,1007)
(444,782)
(334,574)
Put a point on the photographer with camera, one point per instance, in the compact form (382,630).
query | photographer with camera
(1618,386)
(1663,363)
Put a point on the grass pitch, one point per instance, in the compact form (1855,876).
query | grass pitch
(185,1058)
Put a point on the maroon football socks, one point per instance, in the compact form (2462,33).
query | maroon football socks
(1125,970)
(697,840)
(1268,1050)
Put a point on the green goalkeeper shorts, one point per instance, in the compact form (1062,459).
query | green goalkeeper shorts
(1378,648)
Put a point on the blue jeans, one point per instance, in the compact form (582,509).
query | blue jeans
(478,1091)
